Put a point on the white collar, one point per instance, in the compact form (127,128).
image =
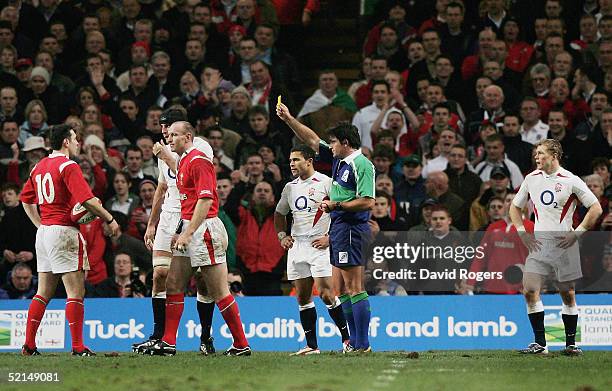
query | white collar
(350,158)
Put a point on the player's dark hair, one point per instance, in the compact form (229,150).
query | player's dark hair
(57,135)
(344,131)
(305,150)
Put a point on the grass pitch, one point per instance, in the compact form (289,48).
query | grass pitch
(434,370)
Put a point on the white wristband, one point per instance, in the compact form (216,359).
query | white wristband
(580,230)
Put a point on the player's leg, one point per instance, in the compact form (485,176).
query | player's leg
(532,285)
(75,310)
(360,305)
(569,313)
(308,315)
(178,275)
(347,308)
(206,309)
(47,284)
(333,304)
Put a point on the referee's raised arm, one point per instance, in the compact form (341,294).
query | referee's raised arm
(303,132)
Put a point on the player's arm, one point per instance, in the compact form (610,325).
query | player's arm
(94,206)
(158,200)
(516,216)
(280,219)
(303,132)
(591,217)
(32,212)
(199,215)
(590,201)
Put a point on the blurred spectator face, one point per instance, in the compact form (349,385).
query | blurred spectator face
(595,185)
(98,156)
(530,112)
(147,191)
(382,163)
(605,29)
(435,95)
(130,8)
(540,83)
(500,51)
(395,121)
(248,50)
(454,17)
(507,203)
(38,84)
(235,36)
(554,26)
(328,83)
(422,87)
(146,146)
(481,84)
(366,68)
(139,55)
(224,96)
(431,42)
(189,84)
(387,140)
(447,139)
(260,75)
(224,187)
(380,95)
(384,183)
(94,42)
(457,158)
(394,79)
(511,31)
(23,74)
(495,150)
(129,108)
(492,70)
(91,113)
(161,67)
(416,52)
(602,170)
(201,14)
(51,45)
(90,23)
(194,51)
(381,207)
(161,35)
(441,117)
(8,99)
(259,123)
(540,29)
(511,126)
(7,58)
(94,64)
(440,222)
(198,32)
(10,198)
(444,68)
(412,171)
(45,60)
(123,265)
(397,13)
(552,8)
(9,133)
(562,66)
(121,185)
(263,194)
(485,41)
(138,77)
(255,165)
(215,139)
(6,36)
(36,155)
(388,38)
(152,122)
(493,98)
(588,28)
(36,115)
(143,31)
(553,46)
(58,29)
(245,9)
(605,54)
(495,210)
(264,37)
(94,128)
(107,63)
(75,123)
(379,69)
(499,183)
(21,278)
(240,103)
(267,154)
(599,102)
(10,14)
(559,90)
(134,161)
(486,131)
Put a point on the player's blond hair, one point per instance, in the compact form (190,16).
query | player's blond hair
(553,147)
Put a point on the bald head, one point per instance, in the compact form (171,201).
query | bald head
(493,97)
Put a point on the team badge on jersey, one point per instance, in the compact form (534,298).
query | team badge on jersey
(311,192)
(345,176)
(558,187)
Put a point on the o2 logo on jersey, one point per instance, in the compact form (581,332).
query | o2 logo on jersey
(301,203)
(170,174)
(547,198)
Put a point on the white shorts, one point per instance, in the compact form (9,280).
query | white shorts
(60,249)
(550,259)
(166,229)
(208,244)
(305,261)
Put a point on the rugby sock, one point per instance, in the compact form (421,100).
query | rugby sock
(361,313)
(206,308)
(347,309)
(335,312)
(308,317)
(159,314)
(231,314)
(570,321)
(536,317)
(74,315)
(35,314)
(174,310)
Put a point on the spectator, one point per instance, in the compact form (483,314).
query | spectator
(378,71)
(577,154)
(396,18)
(34,150)
(601,142)
(134,168)
(162,81)
(123,201)
(492,111)
(209,118)
(559,98)
(519,51)
(472,65)
(283,64)
(381,214)
(365,117)
(264,91)
(9,105)
(140,215)
(261,132)
(540,81)
(410,191)
(495,212)
(63,83)
(496,157)
(596,184)
(533,129)
(35,120)
(461,179)
(149,163)
(364,77)
(586,129)
(123,243)
(445,142)
(224,188)
(438,188)
(516,149)
(397,215)
(122,283)
(21,283)
(457,39)
(497,186)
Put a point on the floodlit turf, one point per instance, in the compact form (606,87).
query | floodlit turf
(440,370)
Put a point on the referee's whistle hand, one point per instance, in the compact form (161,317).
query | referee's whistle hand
(326,206)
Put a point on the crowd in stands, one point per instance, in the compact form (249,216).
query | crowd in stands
(452,98)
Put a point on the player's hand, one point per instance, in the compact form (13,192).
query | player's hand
(182,242)
(567,241)
(24,256)
(149,237)
(114,228)
(321,243)
(287,242)
(283,112)
(327,206)
(530,241)
(10,256)
(374,227)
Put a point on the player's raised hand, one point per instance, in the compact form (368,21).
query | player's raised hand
(159,147)
(149,237)
(287,242)
(321,243)
(283,112)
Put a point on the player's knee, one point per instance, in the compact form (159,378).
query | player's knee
(327,296)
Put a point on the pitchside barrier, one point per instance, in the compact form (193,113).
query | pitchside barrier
(272,323)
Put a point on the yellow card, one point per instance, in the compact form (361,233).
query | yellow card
(278,102)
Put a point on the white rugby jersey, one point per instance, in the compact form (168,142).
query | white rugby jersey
(172,202)
(301,198)
(554,198)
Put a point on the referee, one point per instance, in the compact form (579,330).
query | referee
(351,199)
